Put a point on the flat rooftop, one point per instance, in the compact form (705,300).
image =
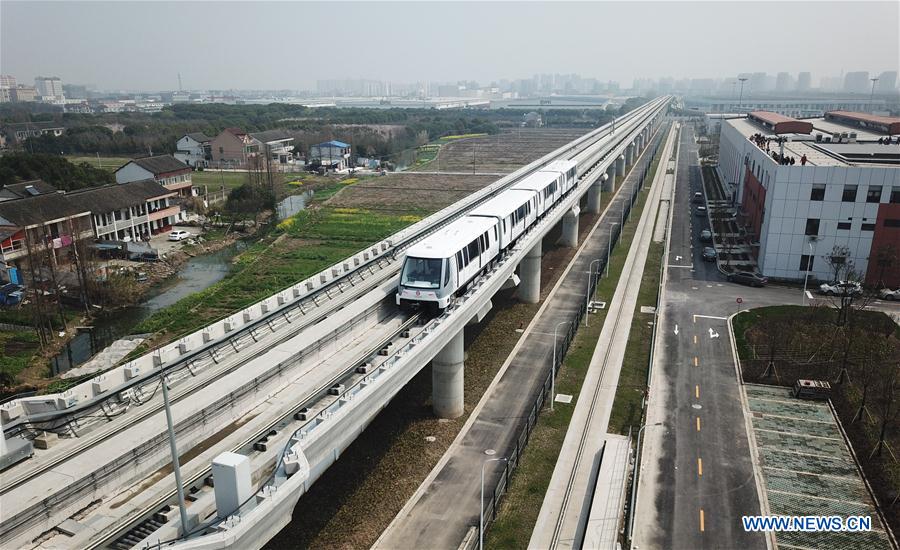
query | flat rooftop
(866,151)
(808,469)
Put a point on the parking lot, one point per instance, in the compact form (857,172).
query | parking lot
(808,469)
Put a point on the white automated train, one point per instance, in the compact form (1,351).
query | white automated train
(440,267)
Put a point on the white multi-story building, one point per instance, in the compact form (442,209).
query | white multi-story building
(194,150)
(843,189)
(797,107)
(50,88)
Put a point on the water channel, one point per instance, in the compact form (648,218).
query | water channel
(197,274)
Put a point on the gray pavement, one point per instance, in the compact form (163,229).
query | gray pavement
(447,503)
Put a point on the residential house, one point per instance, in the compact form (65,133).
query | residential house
(168,171)
(43,223)
(25,189)
(16,133)
(233,148)
(334,155)
(194,150)
(128,211)
(277,144)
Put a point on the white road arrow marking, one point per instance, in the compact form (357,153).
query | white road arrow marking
(676,330)
(677,258)
(712,333)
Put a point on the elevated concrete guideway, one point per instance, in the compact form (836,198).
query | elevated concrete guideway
(340,399)
(564,513)
(426,521)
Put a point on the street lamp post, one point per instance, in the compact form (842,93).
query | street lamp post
(609,247)
(553,366)
(741,98)
(481,503)
(173,447)
(587,295)
(872,95)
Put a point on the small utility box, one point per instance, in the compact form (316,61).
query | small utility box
(231,477)
(812,389)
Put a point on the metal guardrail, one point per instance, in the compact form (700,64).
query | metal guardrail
(529,422)
(445,216)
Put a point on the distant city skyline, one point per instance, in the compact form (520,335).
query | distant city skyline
(246,46)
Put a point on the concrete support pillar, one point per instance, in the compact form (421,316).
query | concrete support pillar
(593,194)
(639,144)
(447,370)
(629,154)
(610,183)
(620,166)
(569,235)
(530,273)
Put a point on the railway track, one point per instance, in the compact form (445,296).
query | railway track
(336,295)
(279,425)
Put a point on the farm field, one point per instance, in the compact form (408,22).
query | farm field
(106,163)
(500,153)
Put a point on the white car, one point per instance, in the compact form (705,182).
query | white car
(888,294)
(179,235)
(841,288)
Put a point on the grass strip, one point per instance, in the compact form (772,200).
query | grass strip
(519,509)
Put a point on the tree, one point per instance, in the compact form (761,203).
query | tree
(886,256)
(839,262)
(887,401)
(876,349)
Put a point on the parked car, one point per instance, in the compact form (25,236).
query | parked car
(11,294)
(700,211)
(841,288)
(179,235)
(709,254)
(698,197)
(888,294)
(706,236)
(748,278)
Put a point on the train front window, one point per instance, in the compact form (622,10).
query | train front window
(422,272)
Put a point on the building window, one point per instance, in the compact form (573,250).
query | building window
(849,193)
(844,226)
(818,192)
(868,227)
(892,223)
(895,195)
(806,262)
(812,226)
(874,194)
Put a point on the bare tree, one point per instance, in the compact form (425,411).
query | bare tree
(887,401)
(886,257)
(876,349)
(839,262)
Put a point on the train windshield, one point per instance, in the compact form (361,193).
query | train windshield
(422,272)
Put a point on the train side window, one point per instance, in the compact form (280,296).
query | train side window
(473,250)
(446,272)
(459,260)
(496,234)
(465,253)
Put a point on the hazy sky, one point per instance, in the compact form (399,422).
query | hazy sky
(220,45)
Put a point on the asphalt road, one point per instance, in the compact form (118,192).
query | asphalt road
(697,478)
